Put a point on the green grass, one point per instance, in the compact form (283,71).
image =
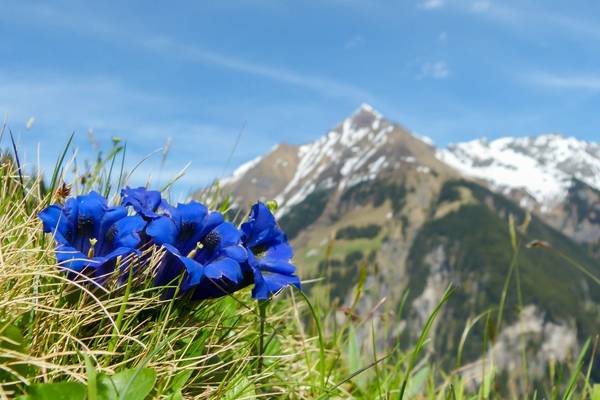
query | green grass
(77,340)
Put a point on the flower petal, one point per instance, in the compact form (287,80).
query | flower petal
(55,222)
(127,231)
(107,264)
(195,273)
(281,251)
(193,212)
(106,233)
(229,235)
(162,230)
(211,221)
(145,202)
(238,253)
(172,266)
(271,283)
(90,211)
(278,266)
(71,258)
(224,267)
(261,227)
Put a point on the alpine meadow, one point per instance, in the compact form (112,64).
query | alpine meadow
(299,200)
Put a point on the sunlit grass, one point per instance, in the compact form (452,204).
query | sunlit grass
(55,330)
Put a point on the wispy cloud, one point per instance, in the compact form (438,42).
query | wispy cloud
(62,100)
(567,82)
(354,41)
(434,70)
(481,5)
(61,105)
(194,53)
(541,19)
(431,4)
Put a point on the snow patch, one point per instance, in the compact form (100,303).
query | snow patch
(241,171)
(543,166)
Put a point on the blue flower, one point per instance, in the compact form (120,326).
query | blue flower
(144,202)
(90,234)
(269,253)
(201,248)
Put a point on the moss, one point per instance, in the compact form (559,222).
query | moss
(304,213)
(358,232)
(376,193)
(352,259)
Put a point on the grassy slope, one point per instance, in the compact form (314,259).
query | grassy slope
(477,238)
(54,330)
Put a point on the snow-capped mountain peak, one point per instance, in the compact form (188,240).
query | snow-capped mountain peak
(365,145)
(359,149)
(347,148)
(543,166)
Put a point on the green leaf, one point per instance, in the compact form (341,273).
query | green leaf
(195,349)
(12,339)
(575,374)
(354,363)
(56,391)
(176,396)
(417,382)
(595,392)
(243,388)
(130,384)
(354,358)
(92,386)
(488,380)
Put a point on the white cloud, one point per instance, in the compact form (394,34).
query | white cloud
(481,5)
(431,4)
(434,70)
(62,105)
(540,19)
(570,82)
(195,53)
(354,41)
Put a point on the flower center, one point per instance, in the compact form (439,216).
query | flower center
(85,226)
(211,240)
(187,231)
(260,250)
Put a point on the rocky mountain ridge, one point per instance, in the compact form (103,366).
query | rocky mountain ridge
(543,166)
(369,197)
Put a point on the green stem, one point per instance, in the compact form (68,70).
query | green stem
(116,330)
(262,312)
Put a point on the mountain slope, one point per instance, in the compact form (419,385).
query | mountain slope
(471,247)
(361,148)
(371,199)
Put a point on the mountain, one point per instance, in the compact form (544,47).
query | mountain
(542,166)
(360,149)
(556,177)
(370,199)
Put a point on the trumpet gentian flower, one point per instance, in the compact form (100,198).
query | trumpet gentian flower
(269,253)
(145,202)
(200,245)
(90,234)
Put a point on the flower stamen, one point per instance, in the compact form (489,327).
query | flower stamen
(192,253)
(93,242)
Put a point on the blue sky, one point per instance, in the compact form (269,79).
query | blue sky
(287,71)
